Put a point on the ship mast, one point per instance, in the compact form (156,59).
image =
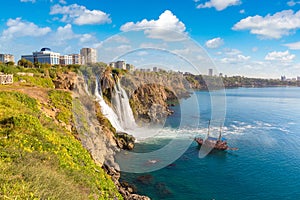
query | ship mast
(220,134)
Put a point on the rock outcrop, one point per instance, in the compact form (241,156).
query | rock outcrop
(125,141)
(149,103)
(65,81)
(151,94)
(126,190)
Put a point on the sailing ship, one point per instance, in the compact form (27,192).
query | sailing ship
(219,143)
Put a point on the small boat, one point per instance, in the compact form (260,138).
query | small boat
(214,143)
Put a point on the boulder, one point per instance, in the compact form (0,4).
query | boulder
(125,141)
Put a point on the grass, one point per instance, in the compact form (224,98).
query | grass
(62,101)
(41,160)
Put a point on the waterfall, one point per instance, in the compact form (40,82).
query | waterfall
(122,107)
(86,88)
(106,110)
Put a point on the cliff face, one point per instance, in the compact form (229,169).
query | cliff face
(152,93)
(149,103)
(98,136)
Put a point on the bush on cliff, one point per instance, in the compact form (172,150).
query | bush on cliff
(41,160)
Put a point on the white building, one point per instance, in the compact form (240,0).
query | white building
(112,65)
(119,65)
(4,58)
(66,60)
(43,56)
(76,59)
(130,67)
(88,55)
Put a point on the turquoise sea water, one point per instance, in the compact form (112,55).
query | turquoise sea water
(263,123)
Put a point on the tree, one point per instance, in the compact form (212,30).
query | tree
(25,63)
(10,63)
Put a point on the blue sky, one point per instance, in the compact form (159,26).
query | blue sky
(255,38)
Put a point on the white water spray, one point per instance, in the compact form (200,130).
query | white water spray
(106,110)
(122,107)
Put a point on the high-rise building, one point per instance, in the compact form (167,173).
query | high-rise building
(43,56)
(88,55)
(129,67)
(210,72)
(4,58)
(76,59)
(283,78)
(121,65)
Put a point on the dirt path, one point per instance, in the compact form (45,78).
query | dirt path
(41,94)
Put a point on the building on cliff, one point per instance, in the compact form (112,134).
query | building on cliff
(210,72)
(43,56)
(52,58)
(4,58)
(88,55)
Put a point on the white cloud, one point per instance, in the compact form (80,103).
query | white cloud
(235,59)
(293,3)
(214,43)
(20,28)
(62,2)
(242,11)
(119,50)
(142,53)
(85,38)
(219,4)
(32,1)
(119,39)
(80,15)
(147,45)
(282,56)
(233,56)
(293,46)
(65,33)
(232,52)
(168,27)
(274,26)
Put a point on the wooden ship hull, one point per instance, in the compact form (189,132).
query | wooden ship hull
(214,144)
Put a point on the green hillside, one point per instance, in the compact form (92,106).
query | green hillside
(40,158)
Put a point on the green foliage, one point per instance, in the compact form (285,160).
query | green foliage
(118,72)
(40,160)
(62,101)
(9,69)
(25,63)
(35,81)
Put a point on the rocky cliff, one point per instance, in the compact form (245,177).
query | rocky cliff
(151,94)
(98,136)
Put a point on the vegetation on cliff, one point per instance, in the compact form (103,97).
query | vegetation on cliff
(40,157)
(200,82)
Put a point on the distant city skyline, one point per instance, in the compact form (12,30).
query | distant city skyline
(242,37)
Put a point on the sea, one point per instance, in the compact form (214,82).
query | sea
(263,123)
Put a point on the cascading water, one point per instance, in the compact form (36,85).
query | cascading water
(106,110)
(122,107)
